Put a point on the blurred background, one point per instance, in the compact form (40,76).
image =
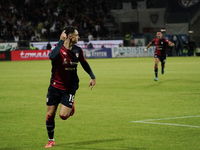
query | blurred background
(119,23)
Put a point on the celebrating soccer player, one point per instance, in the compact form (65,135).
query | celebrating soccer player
(160,52)
(64,79)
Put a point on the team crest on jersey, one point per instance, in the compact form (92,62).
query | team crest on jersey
(77,54)
(187,3)
(65,61)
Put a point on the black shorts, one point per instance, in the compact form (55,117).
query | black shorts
(161,58)
(56,96)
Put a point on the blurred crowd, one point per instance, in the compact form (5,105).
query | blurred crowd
(35,19)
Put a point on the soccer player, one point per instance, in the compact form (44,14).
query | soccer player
(160,52)
(64,79)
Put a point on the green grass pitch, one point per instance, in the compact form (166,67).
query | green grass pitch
(114,115)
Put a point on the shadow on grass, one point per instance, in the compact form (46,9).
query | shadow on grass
(155,83)
(80,145)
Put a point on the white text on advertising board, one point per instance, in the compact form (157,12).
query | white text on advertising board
(132,50)
(95,53)
(34,54)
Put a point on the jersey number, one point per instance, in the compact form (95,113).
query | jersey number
(71,98)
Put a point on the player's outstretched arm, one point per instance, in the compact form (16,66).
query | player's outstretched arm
(170,44)
(147,47)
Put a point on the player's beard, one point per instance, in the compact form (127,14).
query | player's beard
(73,41)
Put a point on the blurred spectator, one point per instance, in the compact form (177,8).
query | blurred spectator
(32,47)
(177,48)
(90,37)
(40,26)
(16,36)
(42,17)
(185,48)
(127,40)
(97,27)
(192,46)
(102,46)
(48,45)
(90,45)
(120,45)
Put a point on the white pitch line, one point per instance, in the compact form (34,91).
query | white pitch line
(169,124)
(147,121)
(172,118)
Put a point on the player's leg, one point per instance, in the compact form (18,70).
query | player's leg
(156,68)
(53,100)
(67,108)
(50,124)
(163,66)
(73,109)
(64,112)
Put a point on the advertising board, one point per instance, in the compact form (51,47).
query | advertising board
(132,51)
(5,55)
(30,55)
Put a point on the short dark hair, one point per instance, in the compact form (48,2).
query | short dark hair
(69,29)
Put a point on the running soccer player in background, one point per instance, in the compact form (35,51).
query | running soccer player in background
(160,52)
(64,79)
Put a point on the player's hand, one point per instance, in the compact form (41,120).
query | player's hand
(92,83)
(145,50)
(171,44)
(63,36)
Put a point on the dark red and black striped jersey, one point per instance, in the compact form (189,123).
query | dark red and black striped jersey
(64,66)
(161,46)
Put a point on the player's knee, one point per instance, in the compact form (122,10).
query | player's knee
(64,117)
(50,118)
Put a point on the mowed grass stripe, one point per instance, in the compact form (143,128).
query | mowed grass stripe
(125,91)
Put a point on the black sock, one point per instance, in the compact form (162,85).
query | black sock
(50,128)
(156,72)
(163,66)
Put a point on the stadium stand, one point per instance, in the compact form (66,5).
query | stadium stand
(23,21)
(37,20)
